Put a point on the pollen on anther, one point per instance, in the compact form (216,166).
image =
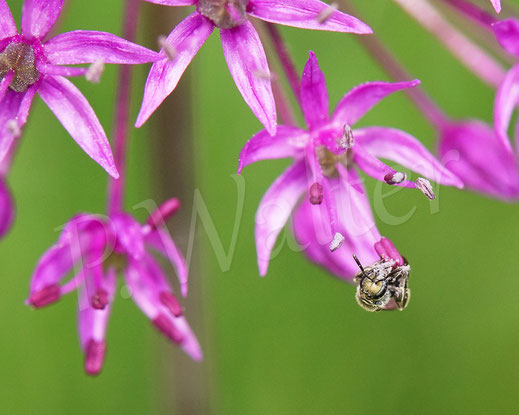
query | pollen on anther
(316,194)
(169,50)
(338,239)
(395,177)
(95,71)
(325,14)
(425,187)
(14,128)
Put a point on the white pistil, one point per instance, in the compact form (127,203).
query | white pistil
(326,13)
(338,239)
(14,128)
(168,49)
(347,140)
(425,186)
(94,71)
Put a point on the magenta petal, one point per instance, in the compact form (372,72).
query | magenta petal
(507,98)
(306,14)
(275,209)
(173,2)
(249,68)
(7,24)
(507,34)
(14,110)
(362,98)
(355,222)
(6,209)
(496,4)
(83,46)
(480,159)
(93,322)
(146,295)
(287,142)
(39,16)
(404,149)
(9,108)
(77,116)
(161,241)
(186,39)
(129,235)
(314,95)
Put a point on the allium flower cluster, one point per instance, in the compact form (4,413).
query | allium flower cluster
(94,250)
(322,190)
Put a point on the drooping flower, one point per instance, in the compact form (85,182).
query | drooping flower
(30,64)
(241,44)
(361,242)
(95,249)
(481,158)
(330,149)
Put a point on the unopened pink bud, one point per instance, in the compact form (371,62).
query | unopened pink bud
(316,194)
(171,302)
(48,295)
(94,357)
(166,327)
(100,299)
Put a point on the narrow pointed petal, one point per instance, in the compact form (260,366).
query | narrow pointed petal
(9,108)
(38,17)
(7,24)
(507,99)
(496,4)
(404,149)
(186,39)
(287,142)
(356,223)
(507,34)
(84,46)
(75,243)
(314,95)
(146,295)
(306,14)
(161,241)
(173,2)
(14,111)
(377,169)
(362,98)
(77,116)
(480,159)
(6,209)
(93,323)
(275,209)
(246,60)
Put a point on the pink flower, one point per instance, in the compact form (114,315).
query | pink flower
(481,158)
(30,64)
(496,4)
(325,156)
(95,249)
(241,46)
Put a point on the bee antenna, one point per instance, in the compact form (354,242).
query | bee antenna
(358,263)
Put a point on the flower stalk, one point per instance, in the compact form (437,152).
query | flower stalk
(122,113)
(465,50)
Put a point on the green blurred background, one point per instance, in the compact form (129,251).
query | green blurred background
(294,342)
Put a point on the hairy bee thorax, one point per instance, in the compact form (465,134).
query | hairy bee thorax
(225,14)
(20,59)
(383,285)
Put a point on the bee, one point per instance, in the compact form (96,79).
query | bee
(381,286)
